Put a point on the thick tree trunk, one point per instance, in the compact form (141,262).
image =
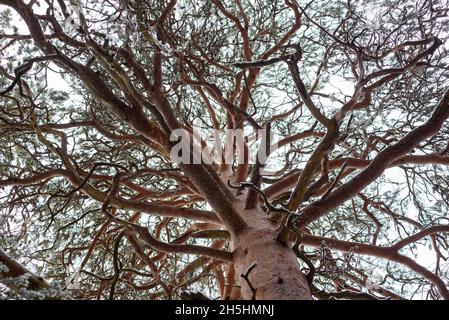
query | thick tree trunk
(272,269)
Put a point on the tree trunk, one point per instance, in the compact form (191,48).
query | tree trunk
(272,270)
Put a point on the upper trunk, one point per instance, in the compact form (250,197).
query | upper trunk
(272,269)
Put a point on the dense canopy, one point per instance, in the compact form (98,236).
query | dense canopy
(353,196)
